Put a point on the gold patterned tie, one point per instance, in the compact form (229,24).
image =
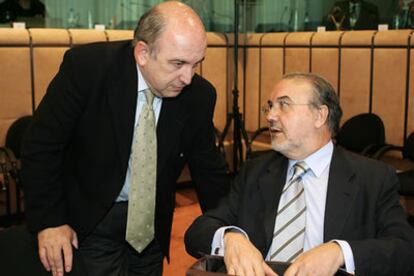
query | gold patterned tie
(289,232)
(141,198)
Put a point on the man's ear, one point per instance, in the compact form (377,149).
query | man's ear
(141,53)
(322,113)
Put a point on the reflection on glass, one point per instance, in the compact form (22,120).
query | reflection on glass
(30,11)
(218,15)
(353,17)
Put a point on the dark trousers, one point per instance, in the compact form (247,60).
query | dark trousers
(106,253)
(19,255)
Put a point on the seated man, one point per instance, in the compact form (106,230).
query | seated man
(309,202)
(22,10)
(352,15)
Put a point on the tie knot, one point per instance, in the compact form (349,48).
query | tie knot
(299,169)
(149,96)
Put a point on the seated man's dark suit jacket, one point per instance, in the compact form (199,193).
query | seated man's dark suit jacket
(362,208)
(368,16)
(76,152)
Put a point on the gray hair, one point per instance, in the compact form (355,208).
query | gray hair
(149,28)
(324,94)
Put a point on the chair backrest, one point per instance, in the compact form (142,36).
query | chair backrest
(408,150)
(361,131)
(16,132)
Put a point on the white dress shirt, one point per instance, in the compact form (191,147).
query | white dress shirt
(315,184)
(141,100)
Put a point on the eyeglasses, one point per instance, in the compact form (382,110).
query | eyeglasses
(283,105)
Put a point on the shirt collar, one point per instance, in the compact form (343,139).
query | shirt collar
(142,84)
(319,160)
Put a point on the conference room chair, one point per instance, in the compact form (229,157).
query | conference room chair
(15,133)
(404,166)
(363,134)
(14,139)
(250,151)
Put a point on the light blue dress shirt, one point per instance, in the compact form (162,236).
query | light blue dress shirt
(141,100)
(315,184)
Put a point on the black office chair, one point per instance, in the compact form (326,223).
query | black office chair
(406,177)
(363,134)
(10,166)
(250,153)
(15,133)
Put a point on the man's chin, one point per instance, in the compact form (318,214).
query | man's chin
(171,93)
(278,146)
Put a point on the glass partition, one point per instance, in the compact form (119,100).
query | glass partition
(255,15)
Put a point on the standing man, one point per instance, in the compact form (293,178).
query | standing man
(109,140)
(309,203)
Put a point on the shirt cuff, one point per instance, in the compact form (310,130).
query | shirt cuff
(217,246)
(348,256)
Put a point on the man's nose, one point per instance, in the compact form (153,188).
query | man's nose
(186,75)
(271,114)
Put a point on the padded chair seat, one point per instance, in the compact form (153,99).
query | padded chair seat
(406,183)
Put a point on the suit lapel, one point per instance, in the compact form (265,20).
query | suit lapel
(341,193)
(169,127)
(271,185)
(122,100)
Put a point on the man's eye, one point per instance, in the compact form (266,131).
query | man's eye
(283,104)
(269,104)
(178,64)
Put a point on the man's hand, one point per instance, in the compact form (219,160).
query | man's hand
(242,258)
(325,259)
(54,241)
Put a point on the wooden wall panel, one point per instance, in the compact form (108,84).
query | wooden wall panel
(15,81)
(214,69)
(46,62)
(114,35)
(252,90)
(389,82)
(49,46)
(83,36)
(262,60)
(355,81)
(410,118)
(297,60)
(271,73)
(325,63)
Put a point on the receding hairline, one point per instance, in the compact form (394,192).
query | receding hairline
(179,15)
(173,15)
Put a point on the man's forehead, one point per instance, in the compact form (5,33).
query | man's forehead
(292,88)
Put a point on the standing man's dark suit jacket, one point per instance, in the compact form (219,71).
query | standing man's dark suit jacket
(368,17)
(76,153)
(362,208)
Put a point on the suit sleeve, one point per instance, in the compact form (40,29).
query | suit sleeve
(199,236)
(208,167)
(44,148)
(391,252)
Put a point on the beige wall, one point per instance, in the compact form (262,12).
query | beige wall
(372,71)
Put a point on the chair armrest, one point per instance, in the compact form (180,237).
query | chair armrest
(384,149)
(254,136)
